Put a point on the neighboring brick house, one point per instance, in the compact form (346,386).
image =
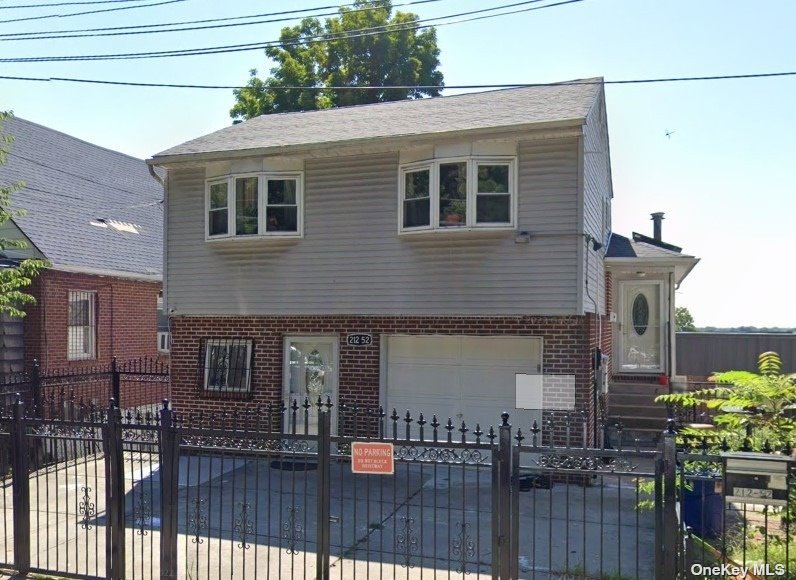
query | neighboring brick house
(96,215)
(436,255)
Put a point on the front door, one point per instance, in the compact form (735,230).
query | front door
(641,327)
(310,371)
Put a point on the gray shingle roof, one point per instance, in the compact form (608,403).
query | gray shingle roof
(70,183)
(622,247)
(472,111)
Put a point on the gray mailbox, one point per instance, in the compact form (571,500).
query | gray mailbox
(756,478)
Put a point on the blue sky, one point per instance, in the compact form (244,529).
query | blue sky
(724,177)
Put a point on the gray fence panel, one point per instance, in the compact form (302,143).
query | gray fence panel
(703,353)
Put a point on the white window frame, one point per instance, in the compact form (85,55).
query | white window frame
(91,354)
(472,176)
(228,342)
(164,336)
(230,221)
(262,193)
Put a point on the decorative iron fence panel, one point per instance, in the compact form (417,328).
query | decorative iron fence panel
(272,491)
(67,488)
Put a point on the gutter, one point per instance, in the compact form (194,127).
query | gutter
(154,174)
(110,273)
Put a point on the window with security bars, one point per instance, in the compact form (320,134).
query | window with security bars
(227,365)
(82,325)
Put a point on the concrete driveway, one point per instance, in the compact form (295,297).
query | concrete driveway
(256,518)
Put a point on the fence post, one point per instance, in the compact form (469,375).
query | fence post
(501,501)
(114,494)
(324,495)
(116,383)
(666,520)
(20,490)
(35,382)
(169,480)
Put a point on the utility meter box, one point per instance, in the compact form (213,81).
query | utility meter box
(756,478)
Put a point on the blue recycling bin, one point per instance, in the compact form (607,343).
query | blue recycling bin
(703,508)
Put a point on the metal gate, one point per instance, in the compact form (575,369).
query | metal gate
(255,493)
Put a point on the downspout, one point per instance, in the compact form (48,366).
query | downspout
(594,395)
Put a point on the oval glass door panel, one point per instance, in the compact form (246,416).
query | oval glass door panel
(641,314)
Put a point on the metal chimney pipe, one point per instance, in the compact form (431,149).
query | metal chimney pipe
(657,220)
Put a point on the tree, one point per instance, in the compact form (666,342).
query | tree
(317,55)
(753,409)
(683,321)
(13,279)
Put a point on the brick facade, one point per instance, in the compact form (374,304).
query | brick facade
(126,319)
(567,345)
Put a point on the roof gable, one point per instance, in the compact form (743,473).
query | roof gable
(466,112)
(69,184)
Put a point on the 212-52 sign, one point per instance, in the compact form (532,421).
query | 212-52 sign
(359,339)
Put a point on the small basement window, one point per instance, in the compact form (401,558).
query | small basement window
(227,365)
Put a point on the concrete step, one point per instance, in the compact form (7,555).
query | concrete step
(639,423)
(633,399)
(649,410)
(637,389)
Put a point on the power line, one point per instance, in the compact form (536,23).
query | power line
(82,3)
(414,87)
(85,12)
(126,30)
(347,35)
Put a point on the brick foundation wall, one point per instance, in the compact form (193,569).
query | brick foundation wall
(566,350)
(126,319)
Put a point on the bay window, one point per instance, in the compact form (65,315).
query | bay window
(450,194)
(254,205)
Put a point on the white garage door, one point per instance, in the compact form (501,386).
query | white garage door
(466,378)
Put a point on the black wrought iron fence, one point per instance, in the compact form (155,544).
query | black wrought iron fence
(308,490)
(68,393)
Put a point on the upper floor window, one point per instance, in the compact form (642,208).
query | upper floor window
(262,204)
(82,325)
(458,193)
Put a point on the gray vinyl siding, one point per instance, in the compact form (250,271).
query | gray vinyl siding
(352,260)
(596,188)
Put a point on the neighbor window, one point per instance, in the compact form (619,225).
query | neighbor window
(82,325)
(264,204)
(227,365)
(458,193)
(164,337)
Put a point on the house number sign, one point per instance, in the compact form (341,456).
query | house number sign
(359,339)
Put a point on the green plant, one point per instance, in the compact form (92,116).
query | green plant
(13,280)
(755,411)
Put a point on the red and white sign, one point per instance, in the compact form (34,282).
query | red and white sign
(372,457)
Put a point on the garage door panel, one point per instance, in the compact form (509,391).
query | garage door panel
(499,350)
(438,350)
(422,380)
(462,377)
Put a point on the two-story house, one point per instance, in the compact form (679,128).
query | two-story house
(426,255)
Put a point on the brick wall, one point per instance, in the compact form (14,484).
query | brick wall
(126,319)
(566,347)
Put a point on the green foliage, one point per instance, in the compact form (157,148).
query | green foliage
(13,281)
(314,54)
(753,408)
(683,321)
